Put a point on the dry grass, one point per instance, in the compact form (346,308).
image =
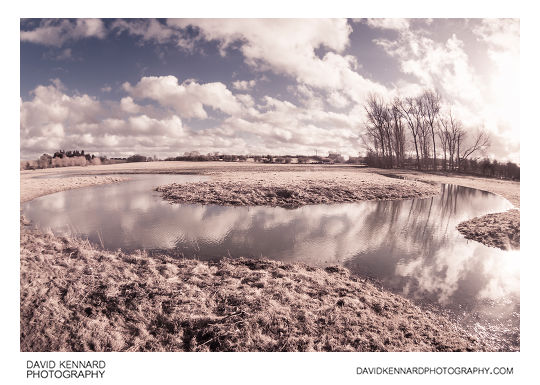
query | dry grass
(499,230)
(77,298)
(293,189)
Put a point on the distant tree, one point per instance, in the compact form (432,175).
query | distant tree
(136,158)
(336,157)
(44,161)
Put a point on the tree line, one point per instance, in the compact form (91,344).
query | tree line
(438,139)
(491,168)
(63,158)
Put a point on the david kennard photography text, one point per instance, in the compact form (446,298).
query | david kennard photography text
(65,369)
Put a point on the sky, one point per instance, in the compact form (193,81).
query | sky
(163,87)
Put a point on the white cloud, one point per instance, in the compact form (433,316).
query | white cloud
(502,34)
(281,127)
(446,66)
(142,124)
(325,81)
(53,119)
(246,100)
(243,85)
(187,99)
(307,96)
(147,29)
(57,33)
(152,30)
(292,51)
(395,24)
(337,99)
(50,107)
(128,105)
(502,37)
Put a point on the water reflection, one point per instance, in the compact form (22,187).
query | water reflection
(410,247)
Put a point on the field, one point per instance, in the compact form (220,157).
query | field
(75,297)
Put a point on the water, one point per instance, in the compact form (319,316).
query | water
(410,247)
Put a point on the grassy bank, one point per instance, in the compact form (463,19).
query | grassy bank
(293,189)
(77,298)
(499,230)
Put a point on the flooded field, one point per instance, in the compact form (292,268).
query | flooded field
(410,247)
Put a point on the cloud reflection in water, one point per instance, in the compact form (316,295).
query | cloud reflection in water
(411,246)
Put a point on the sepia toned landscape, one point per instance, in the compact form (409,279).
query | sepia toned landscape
(76,296)
(349,211)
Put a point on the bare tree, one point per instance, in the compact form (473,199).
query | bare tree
(409,110)
(453,133)
(443,134)
(423,137)
(431,105)
(479,143)
(398,132)
(388,131)
(385,136)
(379,128)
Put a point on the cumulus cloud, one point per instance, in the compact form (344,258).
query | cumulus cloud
(243,85)
(308,50)
(187,99)
(337,99)
(321,110)
(58,32)
(152,30)
(51,115)
(502,39)
(445,66)
(54,119)
(142,124)
(146,29)
(282,127)
(50,107)
(128,105)
(292,51)
(394,23)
